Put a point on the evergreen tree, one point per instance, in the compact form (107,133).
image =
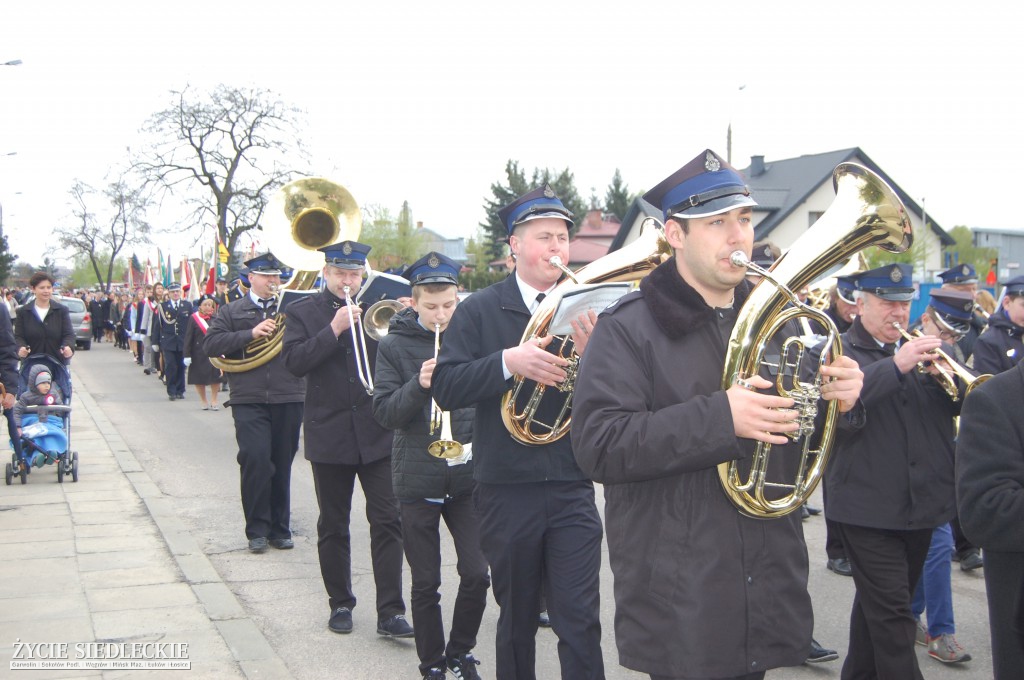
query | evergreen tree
(6,260)
(617,199)
(515,185)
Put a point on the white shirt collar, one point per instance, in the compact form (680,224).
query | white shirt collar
(530,293)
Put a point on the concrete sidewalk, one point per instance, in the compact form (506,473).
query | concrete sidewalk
(107,560)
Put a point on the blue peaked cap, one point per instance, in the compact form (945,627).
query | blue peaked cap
(541,202)
(346,255)
(891,282)
(961,273)
(433,268)
(705,186)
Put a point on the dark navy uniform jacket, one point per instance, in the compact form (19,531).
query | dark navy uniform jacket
(897,471)
(1000,347)
(338,423)
(469,373)
(171,325)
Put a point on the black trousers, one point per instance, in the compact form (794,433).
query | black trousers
(961,544)
(1004,585)
(334,485)
(12,430)
(748,676)
(174,371)
(550,533)
(268,437)
(421,537)
(886,567)
(833,543)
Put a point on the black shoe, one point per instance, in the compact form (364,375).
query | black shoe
(282,543)
(171,397)
(435,673)
(395,627)
(841,566)
(819,654)
(971,560)
(258,545)
(463,667)
(814,512)
(181,396)
(543,620)
(341,621)
(147,371)
(804,512)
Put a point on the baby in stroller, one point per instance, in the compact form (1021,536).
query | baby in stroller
(42,391)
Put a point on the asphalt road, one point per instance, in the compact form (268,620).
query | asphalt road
(190,454)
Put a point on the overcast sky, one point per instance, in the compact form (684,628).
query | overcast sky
(426,101)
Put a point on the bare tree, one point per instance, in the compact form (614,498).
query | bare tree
(102,238)
(223,154)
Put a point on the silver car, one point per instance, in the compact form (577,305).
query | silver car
(81,320)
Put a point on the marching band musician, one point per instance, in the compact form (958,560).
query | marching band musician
(343,441)
(169,339)
(538,518)
(430,488)
(701,590)
(266,406)
(1001,346)
(964,278)
(990,496)
(891,483)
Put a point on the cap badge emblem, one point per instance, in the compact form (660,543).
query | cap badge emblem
(347,249)
(548,192)
(711,163)
(895,275)
(964,270)
(433,262)
(968,306)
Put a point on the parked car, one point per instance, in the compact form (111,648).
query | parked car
(81,320)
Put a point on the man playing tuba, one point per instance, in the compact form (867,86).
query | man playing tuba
(701,589)
(266,406)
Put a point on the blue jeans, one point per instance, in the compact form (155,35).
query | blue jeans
(934,591)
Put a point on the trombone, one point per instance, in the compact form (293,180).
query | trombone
(355,327)
(446,446)
(947,379)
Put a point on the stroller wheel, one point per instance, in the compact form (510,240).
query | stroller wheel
(8,474)
(24,474)
(74,466)
(60,471)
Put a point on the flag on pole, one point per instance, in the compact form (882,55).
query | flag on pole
(211,278)
(168,272)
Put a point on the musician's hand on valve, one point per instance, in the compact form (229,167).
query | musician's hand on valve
(760,416)
(845,382)
(913,352)
(427,372)
(532,361)
(582,327)
(341,321)
(264,328)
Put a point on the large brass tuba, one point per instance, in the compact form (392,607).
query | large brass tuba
(631,263)
(304,215)
(866,212)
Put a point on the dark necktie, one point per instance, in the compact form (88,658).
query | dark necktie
(890,348)
(266,306)
(540,298)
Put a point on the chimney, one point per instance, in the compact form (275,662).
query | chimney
(756,166)
(419,225)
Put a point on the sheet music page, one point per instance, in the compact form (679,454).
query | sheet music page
(595,296)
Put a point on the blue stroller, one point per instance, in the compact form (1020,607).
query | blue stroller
(45,428)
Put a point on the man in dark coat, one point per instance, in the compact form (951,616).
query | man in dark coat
(964,278)
(172,319)
(266,406)
(343,441)
(9,375)
(990,497)
(1001,346)
(701,590)
(432,480)
(539,521)
(891,483)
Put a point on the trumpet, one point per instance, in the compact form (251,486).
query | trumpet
(359,345)
(947,378)
(446,446)
(980,311)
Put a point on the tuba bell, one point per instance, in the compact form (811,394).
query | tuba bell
(866,212)
(305,215)
(629,264)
